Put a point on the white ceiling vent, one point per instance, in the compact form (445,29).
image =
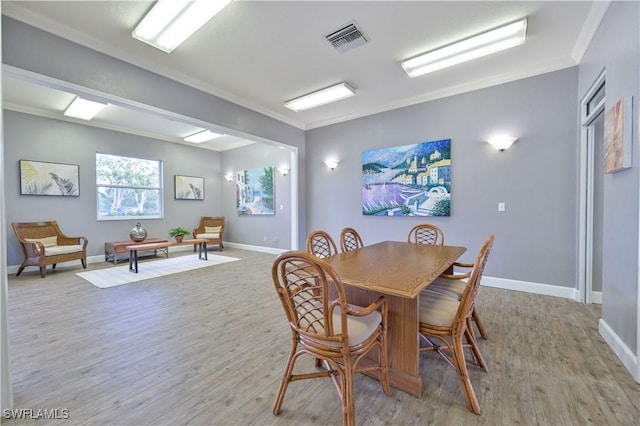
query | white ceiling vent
(347,37)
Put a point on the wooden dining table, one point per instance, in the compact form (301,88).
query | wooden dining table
(399,271)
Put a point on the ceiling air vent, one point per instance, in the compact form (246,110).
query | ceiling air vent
(346,37)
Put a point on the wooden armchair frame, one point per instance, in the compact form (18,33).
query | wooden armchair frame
(425,233)
(210,221)
(35,252)
(323,325)
(320,244)
(445,323)
(350,240)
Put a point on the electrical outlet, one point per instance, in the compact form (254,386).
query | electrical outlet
(275,239)
(265,238)
(501,207)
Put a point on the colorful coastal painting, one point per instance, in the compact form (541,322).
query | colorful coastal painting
(254,191)
(408,180)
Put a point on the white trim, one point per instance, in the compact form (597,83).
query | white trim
(589,29)
(596,297)
(626,355)
(271,250)
(530,287)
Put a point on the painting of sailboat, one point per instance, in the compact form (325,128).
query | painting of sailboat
(408,180)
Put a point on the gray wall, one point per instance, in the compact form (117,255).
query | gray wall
(616,49)
(254,229)
(29,137)
(536,177)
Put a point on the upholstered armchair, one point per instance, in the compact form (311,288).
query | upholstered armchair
(43,243)
(211,229)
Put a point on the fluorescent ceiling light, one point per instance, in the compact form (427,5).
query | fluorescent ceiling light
(203,136)
(83,109)
(471,48)
(321,97)
(170,22)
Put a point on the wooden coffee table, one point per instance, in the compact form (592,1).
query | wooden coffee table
(134,248)
(114,248)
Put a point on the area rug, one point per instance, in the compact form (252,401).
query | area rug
(118,275)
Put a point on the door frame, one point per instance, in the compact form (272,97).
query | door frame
(586,193)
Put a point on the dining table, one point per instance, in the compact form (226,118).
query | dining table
(399,271)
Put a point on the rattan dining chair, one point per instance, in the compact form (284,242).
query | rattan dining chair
(323,325)
(452,285)
(350,240)
(320,244)
(425,233)
(445,322)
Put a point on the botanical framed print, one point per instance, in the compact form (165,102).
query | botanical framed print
(408,180)
(617,136)
(254,191)
(189,187)
(42,178)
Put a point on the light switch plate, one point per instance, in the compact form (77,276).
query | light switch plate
(501,207)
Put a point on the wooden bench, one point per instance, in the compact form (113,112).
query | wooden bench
(113,248)
(134,248)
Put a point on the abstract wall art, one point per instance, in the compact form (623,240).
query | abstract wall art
(42,178)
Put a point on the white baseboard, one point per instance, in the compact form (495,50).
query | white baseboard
(628,358)
(529,287)
(271,250)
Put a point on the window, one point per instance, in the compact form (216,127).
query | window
(128,188)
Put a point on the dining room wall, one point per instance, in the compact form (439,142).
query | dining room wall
(536,177)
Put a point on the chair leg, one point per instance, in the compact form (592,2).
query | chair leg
(43,271)
(348,406)
(84,263)
(476,319)
(475,350)
(463,374)
(20,269)
(286,378)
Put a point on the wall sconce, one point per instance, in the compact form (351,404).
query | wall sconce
(228,177)
(331,164)
(502,142)
(283,170)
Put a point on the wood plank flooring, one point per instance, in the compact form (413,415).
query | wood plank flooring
(208,347)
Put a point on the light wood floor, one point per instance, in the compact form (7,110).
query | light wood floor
(208,347)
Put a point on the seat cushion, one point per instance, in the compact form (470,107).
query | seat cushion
(50,251)
(437,309)
(451,288)
(212,229)
(358,328)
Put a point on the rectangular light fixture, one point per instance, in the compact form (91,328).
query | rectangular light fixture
(83,108)
(321,97)
(203,136)
(171,22)
(465,50)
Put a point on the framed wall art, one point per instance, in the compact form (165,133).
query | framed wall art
(408,180)
(254,191)
(42,178)
(189,187)
(617,136)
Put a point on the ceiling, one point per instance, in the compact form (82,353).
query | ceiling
(259,54)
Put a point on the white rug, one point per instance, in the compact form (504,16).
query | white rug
(118,275)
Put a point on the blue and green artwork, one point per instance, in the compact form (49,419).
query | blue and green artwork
(408,180)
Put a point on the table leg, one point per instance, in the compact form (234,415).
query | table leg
(202,251)
(402,334)
(133,261)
